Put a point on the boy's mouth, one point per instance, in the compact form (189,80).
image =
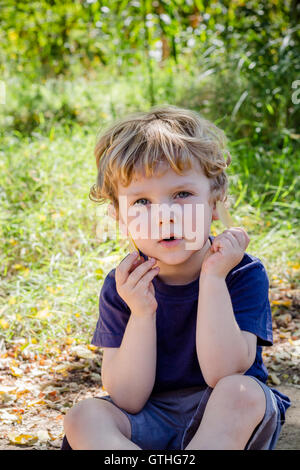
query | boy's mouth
(171,241)
(171,237)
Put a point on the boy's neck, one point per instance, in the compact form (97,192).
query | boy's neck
(191,269)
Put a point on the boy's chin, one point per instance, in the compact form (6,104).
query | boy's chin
(173,257)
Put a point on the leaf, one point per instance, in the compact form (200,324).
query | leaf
(284,303)
(99,273)
(6,397)
(284,319)
(274,378)
(7,418)
(43,314)
(295,266)
(43,436)
(16,371)
(36,402)
(133,245)
(95,377)
(18,266)
(224,215)
(22,439)
(4,324)
(69,340)
(82,352)
(7,389)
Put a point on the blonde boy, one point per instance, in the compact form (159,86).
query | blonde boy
(182,328)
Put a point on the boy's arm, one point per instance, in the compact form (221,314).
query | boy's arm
(222,348)
(129,375)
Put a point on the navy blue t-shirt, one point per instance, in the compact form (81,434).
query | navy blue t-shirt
(177,363)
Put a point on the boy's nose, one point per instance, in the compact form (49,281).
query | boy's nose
(168,213)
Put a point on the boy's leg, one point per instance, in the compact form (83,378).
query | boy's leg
(235,407)
(94,424)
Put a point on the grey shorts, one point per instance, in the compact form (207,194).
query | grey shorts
(170,419)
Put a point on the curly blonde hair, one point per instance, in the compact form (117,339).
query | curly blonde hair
(140,142)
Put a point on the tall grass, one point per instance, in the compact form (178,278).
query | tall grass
(52,264)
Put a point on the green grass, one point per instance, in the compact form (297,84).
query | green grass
(52,263)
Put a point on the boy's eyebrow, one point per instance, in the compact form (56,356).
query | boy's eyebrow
(180,186)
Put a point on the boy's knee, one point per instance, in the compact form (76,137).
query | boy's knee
(79,412)
(242,394)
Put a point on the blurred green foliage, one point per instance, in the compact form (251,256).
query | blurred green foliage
(70,67)
(252,48)
(235,62)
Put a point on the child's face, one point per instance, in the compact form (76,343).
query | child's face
(159,206)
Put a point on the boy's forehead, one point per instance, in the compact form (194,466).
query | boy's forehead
(167,180)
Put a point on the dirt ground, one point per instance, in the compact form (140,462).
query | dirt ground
(33,405)
(48,426)
(36,390)
(289,438)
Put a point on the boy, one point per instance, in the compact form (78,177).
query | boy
(182,340)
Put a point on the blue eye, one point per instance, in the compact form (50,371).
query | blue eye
(144,199)
(186,192)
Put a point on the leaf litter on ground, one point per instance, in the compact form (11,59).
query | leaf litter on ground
(37,389)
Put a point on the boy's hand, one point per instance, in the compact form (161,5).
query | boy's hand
(227,251)
(133,283)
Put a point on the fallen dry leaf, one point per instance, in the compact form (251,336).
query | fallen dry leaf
(22,439)
(274,378)
(82,352)
(43,435)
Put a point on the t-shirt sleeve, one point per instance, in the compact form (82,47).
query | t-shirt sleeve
(113,315)
(249,292)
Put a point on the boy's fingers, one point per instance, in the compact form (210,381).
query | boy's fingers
(145,280)
(246,237)
(232,239)
(241,235)
(136,263)
(221,242)
(136,275)
(122,270)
